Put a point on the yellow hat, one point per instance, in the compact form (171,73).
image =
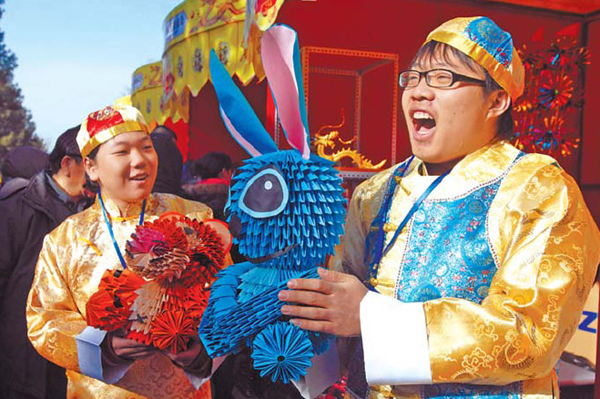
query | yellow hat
(488,45)
(103,125)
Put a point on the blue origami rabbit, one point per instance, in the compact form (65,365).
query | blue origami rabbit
(289,209)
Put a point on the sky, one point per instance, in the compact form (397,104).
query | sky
(76,56)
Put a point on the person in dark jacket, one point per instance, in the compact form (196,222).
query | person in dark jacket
(170,161)
(27,215)
(215,170)
(20,165)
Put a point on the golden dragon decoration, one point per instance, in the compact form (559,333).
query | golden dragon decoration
(324,142)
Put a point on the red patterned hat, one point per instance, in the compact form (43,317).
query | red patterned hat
(103,125)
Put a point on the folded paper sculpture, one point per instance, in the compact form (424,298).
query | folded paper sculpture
(289,208)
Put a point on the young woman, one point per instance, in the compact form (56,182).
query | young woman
(119,156)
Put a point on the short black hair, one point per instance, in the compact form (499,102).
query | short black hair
(66,145)
(434,49)
(211,164)
(162,129)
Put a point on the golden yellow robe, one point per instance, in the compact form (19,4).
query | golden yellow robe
(545,246)
(72,261)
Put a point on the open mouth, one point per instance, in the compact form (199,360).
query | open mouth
(141,177)
(269,257)
(423,122)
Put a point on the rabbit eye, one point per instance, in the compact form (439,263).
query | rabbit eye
(265,195)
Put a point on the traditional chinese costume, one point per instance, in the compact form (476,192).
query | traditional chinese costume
(481,291)
(72,262)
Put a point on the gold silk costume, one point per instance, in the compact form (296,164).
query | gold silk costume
(72,261)
(544,246)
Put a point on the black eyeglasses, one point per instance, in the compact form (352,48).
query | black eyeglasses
(434,78)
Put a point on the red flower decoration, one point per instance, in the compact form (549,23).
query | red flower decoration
(105,312)
(556,91)
(173,330)
(196,302)
(127,283)
(206,252)
(161,297)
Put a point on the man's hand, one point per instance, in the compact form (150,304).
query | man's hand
(330,305)
(130,349)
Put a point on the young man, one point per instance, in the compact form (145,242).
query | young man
(478,257)
(28,214)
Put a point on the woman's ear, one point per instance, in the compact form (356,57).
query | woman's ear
(499,102)
(91,169)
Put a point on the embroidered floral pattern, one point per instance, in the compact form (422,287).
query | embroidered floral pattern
(489,36)
(451,255)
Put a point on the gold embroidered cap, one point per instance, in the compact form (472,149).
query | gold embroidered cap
(488,45)
(103,125)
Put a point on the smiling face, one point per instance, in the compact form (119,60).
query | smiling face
(125,167)
(446,124)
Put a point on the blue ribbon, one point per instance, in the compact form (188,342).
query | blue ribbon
(383,215)
(110,230)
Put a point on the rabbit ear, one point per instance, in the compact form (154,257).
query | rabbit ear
(237,114)
(281,60)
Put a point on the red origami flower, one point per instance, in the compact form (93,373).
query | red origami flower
(196,302)
(127,285)
(161,297)
(206,252)
(104,312)
(173,330)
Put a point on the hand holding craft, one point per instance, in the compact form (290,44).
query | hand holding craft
(330,304)
(130,349)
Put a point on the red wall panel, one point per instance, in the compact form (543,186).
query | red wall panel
(590,140)
(207,131)
(590,161)
(400,27)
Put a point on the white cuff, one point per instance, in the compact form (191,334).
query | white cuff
(89,356)
(323,373)
(394,337)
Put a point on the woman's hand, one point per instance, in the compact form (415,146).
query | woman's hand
(330,304)
(185,358)
(130,349)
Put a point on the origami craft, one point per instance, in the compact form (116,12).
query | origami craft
(289,209)
(160,297)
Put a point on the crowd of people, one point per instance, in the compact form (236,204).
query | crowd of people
(462,272)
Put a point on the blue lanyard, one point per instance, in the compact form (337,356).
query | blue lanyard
(380,251)
(110,230)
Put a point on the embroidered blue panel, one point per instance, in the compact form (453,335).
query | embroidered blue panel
(467,391)
(451,257)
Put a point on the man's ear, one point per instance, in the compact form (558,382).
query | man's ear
(65,165)
(499,102)
(91,169)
